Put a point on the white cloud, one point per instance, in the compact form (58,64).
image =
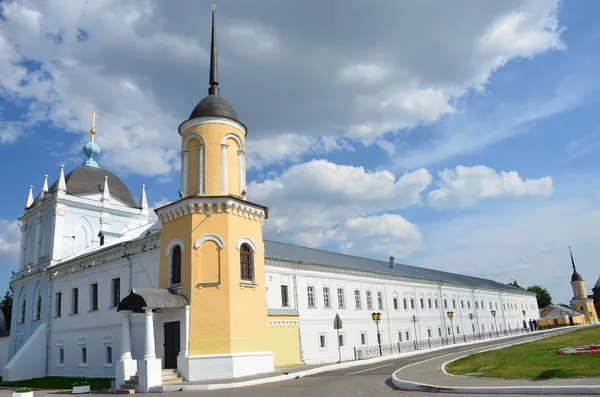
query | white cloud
(318,203)
(465,186)
(9,132)
(143,67)
(10,240)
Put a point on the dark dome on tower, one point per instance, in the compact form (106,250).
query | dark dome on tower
(576,277)
(214,106)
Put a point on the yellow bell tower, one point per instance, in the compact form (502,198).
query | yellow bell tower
(580,301)
(212,249)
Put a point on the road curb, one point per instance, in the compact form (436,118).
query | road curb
(549,390)
(313,371)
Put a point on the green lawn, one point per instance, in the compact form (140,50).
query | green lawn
(534,360)
(55,382)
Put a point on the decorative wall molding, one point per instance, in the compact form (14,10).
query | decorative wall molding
(212,120)
(248,241)
(209,237)
(196,205)
(173,243)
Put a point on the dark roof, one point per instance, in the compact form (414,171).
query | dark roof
(85,180)
(214,106)
(294,253)
(576,277)
(597,285)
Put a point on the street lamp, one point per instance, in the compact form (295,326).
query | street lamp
(414,319)
(495,324)
(524,320)
(376,316)
(471,316)
(451,316)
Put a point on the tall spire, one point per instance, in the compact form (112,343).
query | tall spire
(91,149)
(143,204)
(214,69)
(29,197)
(572,261)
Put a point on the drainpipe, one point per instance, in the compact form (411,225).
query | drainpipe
(298,311)
(476,311)
(126,256)
(440,308)
(503,314)
(386,307)
(49,279)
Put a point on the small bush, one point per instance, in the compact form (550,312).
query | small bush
(23,390)
(81,382)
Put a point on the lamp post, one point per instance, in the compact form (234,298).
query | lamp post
(471,316)
(524,321)
(451,316)
(376,316)
(414,318)
(495,324)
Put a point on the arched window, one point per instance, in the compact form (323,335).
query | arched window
(83,355)
(247,263)
(176,266)
(23,307)
(38,305)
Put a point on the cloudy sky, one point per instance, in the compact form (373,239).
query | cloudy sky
(461,136)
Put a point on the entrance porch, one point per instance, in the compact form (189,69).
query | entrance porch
(175,313)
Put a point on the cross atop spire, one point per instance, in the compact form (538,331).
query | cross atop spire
(93,129)
(213,88)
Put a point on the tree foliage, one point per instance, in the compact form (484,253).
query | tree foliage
(6,306)
(543,296)
(515,284)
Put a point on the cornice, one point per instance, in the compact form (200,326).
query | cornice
(212,120)
(224,204)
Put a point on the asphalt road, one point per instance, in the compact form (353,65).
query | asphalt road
(371,380)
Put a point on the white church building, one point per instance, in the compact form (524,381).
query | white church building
(87,244)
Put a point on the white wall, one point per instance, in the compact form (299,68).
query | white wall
(29,361)
(4,347)
(318,320)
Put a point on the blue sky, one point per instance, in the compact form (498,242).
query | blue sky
(461,137)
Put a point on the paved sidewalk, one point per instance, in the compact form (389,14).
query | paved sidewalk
(429,376)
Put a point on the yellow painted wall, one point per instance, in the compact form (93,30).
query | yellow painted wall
(283,340)
(213,135)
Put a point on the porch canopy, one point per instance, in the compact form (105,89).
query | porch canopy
(141,298)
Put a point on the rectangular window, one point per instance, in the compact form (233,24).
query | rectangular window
(468,304)
(462,304)
(453,303)
(429,302)
(439,332)
(369,300)
(380,300)
(412,303)
(436,303)
(61,356)
(108,358)
(482,306)
(58,303)
(429,332)
(83,355)
(310,293)
(399,336)
(285,299)
(422,304)
(326,300)
(476,304)
(75,300)
(357,298)
(407,335)
(341,300)
(395,303)
(341,340)
(405,304)
(445,304)
(363,338)
(491,305)
(93,296)
(116,292)
(457,330)
(449,331)
(322,342)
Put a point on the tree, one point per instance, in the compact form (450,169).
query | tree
(543,296)
(6,306)
(515,284)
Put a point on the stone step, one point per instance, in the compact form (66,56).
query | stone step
(171,376)
(169,371)
(131,382)
(172,381)
(129,386)
(124,391)
(134,377)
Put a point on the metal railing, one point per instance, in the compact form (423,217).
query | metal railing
(363,352)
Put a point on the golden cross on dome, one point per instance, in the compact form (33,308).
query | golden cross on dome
(93,130)
(213,6)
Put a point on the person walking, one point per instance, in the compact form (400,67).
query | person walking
(524,325)
(531,325)
(535,324)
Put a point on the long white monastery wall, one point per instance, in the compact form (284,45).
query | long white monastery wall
(397,299)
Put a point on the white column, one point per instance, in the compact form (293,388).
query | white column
(36,241)
(224,168)
(57,234)
(201,169)
(185,332)
(149,350)
(184,172)
(242,168)
(125,336)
